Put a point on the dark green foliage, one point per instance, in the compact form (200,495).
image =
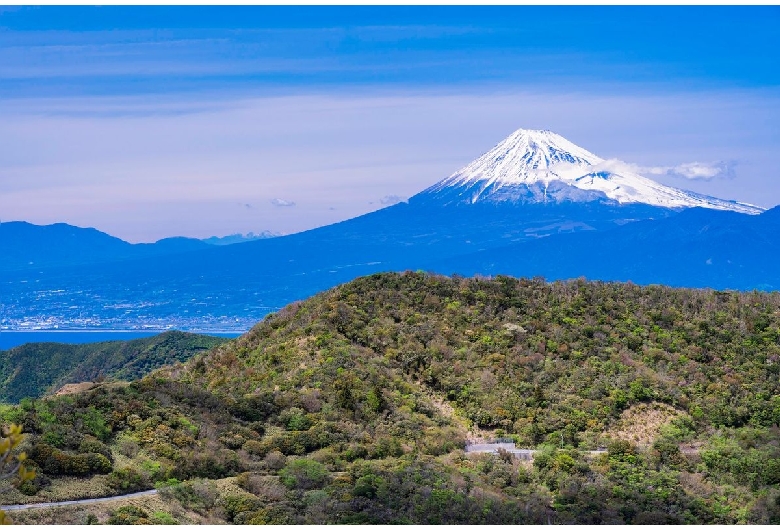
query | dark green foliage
(54,462)
(367,486)
(128,480)
(238,508)
(253,407)
(418,491)
(216,463)
(90,444)
(295,419)
(33,369)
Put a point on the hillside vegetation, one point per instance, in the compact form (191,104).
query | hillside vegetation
(355,405)
(34,369)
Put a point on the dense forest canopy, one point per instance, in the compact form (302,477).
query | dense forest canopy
(355,406)
(37,368)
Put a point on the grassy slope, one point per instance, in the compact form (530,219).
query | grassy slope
(353,406)
(31,370)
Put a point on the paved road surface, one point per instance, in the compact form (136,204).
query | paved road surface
(16,507)
(524,454)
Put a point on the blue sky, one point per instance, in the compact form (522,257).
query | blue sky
(149,122)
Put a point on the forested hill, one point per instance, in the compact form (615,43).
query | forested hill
(524,355)
(355,405)
(34,369)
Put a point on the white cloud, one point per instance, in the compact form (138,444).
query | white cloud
(703,171)
(389,200)
(613,165)
(690,171)
(282,202)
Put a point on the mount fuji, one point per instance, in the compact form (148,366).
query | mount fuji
(543,167)
(535,204)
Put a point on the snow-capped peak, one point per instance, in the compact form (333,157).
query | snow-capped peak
(541,166)
(523,157)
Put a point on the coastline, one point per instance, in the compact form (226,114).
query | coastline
(11,338)
(150,331)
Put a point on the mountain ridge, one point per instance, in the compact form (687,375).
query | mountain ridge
(27,245)
(698,247)
(522,167)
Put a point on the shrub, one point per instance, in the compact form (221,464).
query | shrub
(97,463)
(254,447)
(196,495)
(295,419)
(128,448)
(275,460)
(442,441)
(210,463)
(303,473)
(254,408)
(94,422)
(127,480)
(52,461)
(620,448)
(268,488)
(258,427)
(163,518)
(90,444)
(129,515)
(55,438)
(367,485)
(235,505)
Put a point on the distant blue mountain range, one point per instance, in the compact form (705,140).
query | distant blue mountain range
(70,277)
(695,248)
(26,245)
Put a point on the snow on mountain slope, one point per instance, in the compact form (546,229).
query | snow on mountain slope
(541,166)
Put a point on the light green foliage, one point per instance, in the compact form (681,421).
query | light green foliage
(302,473)
(162,518)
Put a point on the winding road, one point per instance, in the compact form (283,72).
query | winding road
(16,507)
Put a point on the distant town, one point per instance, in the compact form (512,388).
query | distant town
(54,311)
